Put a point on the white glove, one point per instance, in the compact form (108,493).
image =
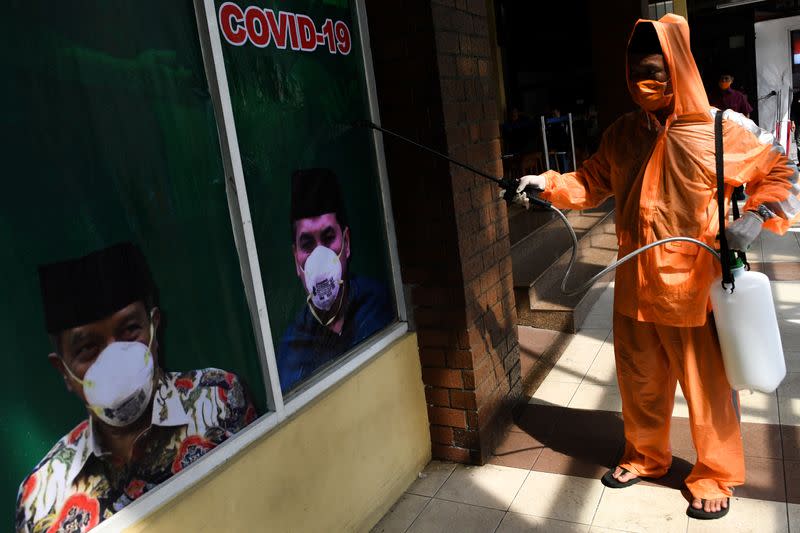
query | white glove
(539,182)
(743,231)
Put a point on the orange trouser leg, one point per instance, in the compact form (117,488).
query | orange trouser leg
(647,387)
(713,409)
(649,359)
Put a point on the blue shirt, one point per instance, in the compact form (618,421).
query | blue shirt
(307,345)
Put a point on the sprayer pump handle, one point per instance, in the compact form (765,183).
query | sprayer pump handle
(533,196)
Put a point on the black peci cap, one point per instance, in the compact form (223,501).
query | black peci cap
(83,290)
(316,192)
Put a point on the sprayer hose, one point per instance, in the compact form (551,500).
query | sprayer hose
(616,264)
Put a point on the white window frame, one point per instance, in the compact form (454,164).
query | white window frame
(279,412)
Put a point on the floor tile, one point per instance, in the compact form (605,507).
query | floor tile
(779,248)
(554,462)
(786,271)
(789,400)
(517,450)
(759,407)
(573,364)
(786,292)
(590,339)
(792,361)
(600,317)
(569,498)
(537,420)
(681,437)
(521,523)
(554,393)
(432,478)
(402,514)
(596,529)
(762,440)
(794,518)
(790,332)
(791,442)
(604,369)
(642,508)
(597,397)
(681,408)
(792,472)
(746,516)
(763,480)
(755,254)
(442,515)
(583,443)
(488,486)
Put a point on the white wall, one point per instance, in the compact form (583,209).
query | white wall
(774,69)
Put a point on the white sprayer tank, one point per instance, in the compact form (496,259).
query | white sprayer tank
(748,332)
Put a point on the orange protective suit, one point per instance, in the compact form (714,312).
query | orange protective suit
(664,179)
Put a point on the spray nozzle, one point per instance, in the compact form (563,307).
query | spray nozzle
(531,192)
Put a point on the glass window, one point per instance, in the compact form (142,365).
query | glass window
(659,9)
(297,84)
(119,260)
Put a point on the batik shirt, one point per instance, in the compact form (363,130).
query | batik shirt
(75,486)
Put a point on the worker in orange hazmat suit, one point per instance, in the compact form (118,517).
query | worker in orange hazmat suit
(659,163)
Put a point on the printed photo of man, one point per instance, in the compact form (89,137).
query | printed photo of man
(143,424)
(342,309)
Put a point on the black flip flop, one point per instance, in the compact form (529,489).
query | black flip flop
(609,481)
(701,514)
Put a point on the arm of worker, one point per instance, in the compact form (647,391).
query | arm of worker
(754,157)
(585,188)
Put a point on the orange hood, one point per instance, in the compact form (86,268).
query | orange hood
(690,95)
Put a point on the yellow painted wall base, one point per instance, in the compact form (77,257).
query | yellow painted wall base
(338,466)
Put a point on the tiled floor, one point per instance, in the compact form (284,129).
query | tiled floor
(545,474)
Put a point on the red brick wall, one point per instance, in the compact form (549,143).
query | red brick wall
(433,74)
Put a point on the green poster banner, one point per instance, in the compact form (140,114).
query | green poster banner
(297,82)
(108,136)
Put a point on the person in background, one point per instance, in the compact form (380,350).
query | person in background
(723,97)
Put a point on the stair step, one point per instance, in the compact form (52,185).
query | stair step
(541,304)
(531,256)
(539,351)
(523,222)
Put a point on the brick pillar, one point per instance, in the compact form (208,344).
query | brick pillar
(434,78)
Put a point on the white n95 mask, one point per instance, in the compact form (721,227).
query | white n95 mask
(323,275)
(118,386)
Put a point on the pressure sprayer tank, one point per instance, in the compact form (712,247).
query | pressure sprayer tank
(748,332)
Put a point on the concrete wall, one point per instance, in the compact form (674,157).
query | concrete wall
(337,466)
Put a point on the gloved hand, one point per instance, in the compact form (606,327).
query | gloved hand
(540,182)
(743,231)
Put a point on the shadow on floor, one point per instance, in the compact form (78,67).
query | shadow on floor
(583,443)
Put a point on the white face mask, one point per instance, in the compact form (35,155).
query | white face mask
(323,275)
(118,386)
